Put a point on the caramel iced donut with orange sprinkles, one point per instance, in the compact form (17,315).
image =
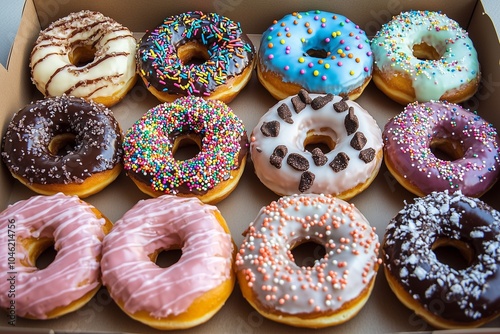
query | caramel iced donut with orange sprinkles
(85,54)
(316,50)
(330,292)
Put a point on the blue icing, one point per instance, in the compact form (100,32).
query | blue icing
(345,60)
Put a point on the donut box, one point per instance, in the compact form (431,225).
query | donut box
(381,201)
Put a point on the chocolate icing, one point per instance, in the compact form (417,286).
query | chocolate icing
(96,148)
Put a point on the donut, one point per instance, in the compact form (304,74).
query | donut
(192,289)
(195,53)
(444,295)
(437,145)
(212,174)
(75,229)
(318,51)
(331,291)
(85,54)
(64,144)
(347,163)
(423,56)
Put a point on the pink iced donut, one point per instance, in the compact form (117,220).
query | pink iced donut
(28,227)
(186,293)
(437,146)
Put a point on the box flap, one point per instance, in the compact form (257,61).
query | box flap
(10,18)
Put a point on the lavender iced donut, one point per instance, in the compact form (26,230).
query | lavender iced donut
(435,146)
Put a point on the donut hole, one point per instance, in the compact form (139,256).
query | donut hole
(324,139)
(457,254)
(318,53)
(307,253)
(186,146)
(62,144)
(446,149)
(82,55)
(41,253)
(192,53)
(425,51)
(167,257)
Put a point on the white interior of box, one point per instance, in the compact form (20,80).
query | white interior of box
(379,203)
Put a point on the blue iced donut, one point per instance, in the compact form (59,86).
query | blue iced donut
(319,51)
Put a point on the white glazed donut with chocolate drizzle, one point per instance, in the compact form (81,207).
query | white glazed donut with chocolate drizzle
(85,54)
(279,146)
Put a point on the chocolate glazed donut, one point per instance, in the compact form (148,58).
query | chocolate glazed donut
(64,144)
(445,295)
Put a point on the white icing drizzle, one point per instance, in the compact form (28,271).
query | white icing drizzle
(166,222)
(75,271)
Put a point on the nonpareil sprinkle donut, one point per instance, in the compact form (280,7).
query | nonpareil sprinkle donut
(318,51)
(436,146)
(211,175)
(196,53)
(327,293)
(423,56)
(444,295)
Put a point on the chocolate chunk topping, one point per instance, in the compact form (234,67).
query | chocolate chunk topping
(298,162)
(270,129)
(306,181)
(358,141)
(319,157)
(278,154)
(341,106)
(321,101)
(351,122)
(340,162)
(285,113)
(304,96)
(367,155)
(298,104)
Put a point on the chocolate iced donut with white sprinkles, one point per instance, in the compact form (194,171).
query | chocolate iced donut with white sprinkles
(64,144)
(327,293)
(351,140)
(444,295)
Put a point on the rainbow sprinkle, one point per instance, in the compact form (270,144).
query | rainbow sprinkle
(229,53)
(148,145)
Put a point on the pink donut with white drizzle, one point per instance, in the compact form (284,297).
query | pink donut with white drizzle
(437,146)
(190,291)
(331,291)
(27,228)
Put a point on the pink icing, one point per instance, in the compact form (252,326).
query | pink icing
(77,235)
(166,222)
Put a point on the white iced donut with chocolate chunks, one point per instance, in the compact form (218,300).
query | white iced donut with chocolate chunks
(85,54)
(327,293)
(281,140)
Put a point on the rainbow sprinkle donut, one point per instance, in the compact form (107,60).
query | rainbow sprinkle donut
(319,51)
(423,56)
(150,145)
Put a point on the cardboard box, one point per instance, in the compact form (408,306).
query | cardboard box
(379,203)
